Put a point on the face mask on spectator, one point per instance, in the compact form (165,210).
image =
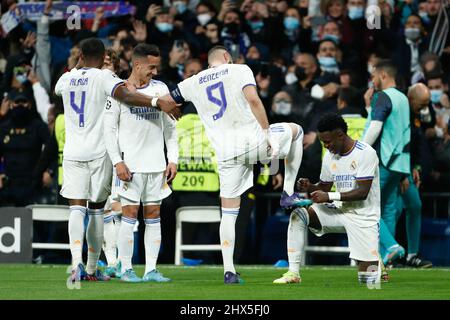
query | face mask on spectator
(232,28)
(370,68)
(332,37)
(291,23)
(180,6)
(327,62)
(300,73)
(22,78)
(164,27)
(355,12)
(256,25)
(282,107)
(412,33)
(436,95)
(203,18)
(290,78)
(20,114)
(424,16)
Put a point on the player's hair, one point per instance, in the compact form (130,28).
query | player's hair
(213,50)
(143,50)
(331,122)
(92,48)
(115,60)
(388,67)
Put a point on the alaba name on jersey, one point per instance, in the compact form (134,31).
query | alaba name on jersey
(136,135)
(344,171)
(218,96)
(84,93)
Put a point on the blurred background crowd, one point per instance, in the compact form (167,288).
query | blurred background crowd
(309,57)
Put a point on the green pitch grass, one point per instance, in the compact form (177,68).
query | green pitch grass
(206,283)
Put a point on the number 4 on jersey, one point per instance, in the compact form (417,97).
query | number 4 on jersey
(78,109)
(221,102)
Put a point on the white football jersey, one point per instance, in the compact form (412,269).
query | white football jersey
(360,163)
(142,132)
(84,93)
(229,122)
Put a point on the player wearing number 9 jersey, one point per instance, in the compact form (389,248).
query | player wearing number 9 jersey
(87,168)
(236,124)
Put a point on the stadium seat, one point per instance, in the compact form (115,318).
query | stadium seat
(50,213)
(194,214)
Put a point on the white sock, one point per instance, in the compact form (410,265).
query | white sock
(368,277)
(227,237)
(117,220)
(125,242)
(109,240)
(152,242)
(76,233)
(292,162)
(94,238)
(297,231)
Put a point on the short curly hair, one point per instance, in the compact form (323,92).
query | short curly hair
(330,122)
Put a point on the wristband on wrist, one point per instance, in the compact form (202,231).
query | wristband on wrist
(154,101)
(334,196)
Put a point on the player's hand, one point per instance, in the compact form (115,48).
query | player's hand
(171,171)
(416,177)
(303,184)
(320,196)
(166,105)
(175,114)
(32,76)
(404,185)
(277,181)
(123,172)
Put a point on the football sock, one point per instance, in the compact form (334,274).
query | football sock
(227,237)
(94,238)
(292,162)
(125,242)
(297,231)
(368,277)
(152,242)
(109,241)
(76,233)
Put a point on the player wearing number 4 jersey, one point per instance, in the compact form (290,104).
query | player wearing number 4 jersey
(87,168)
(135,139)
(352,166)
(236,124)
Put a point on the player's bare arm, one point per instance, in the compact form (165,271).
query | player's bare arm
(124,95)
(358,194)
(256,106)
(304,185)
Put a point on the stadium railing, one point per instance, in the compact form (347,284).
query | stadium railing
(50,213)
(308,249)
(194,214)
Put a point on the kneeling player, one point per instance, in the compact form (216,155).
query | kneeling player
(354,209)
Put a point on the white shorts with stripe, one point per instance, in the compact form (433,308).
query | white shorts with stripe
(236,175)
(362,241)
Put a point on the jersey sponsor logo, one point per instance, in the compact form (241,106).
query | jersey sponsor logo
(144,113)
(344,181)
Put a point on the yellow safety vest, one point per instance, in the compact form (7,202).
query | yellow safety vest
(60,135)
(197,164)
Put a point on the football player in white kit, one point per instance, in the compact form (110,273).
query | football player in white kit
(352,166)
(87,167)
(137,153)
(236,124)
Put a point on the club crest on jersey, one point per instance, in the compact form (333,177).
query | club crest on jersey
(353,165)
(125,186)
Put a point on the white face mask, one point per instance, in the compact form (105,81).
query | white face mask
(370,68)
(290,78)
(203,18)
(282,108)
